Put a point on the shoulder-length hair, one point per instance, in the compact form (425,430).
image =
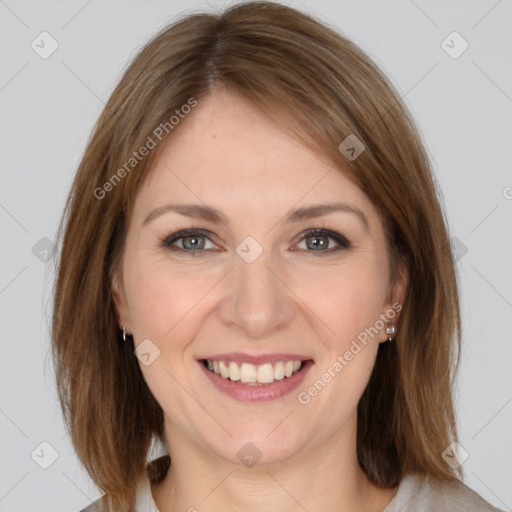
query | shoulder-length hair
(298,70)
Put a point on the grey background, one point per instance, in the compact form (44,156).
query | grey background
(463,106)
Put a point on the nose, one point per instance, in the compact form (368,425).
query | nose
(257,301)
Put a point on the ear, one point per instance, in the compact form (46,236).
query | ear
(395,300)
(119,298)
(399,289)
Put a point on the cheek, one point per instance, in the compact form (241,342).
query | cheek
(162,300)
(166,308)
(350,309)
(348,300)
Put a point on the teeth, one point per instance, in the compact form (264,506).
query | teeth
(279,371)
(265,373)
(224,370)
(234,371)
(248,373)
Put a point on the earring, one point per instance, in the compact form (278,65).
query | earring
(390,329)
(124,333)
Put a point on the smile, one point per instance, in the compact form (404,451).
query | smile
(252,382)
(251,374)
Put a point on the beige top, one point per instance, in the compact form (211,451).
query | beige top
(415,494)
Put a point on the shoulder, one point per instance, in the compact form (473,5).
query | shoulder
(95,506)
(458,497)
(419,493)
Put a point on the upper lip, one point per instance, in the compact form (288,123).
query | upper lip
(240,357)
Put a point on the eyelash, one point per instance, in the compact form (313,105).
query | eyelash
(343,243)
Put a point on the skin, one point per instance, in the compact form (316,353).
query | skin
(227,155)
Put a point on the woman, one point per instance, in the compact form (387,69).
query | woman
(255,270)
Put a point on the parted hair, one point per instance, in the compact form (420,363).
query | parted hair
(321,88)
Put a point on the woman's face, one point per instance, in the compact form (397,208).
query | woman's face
(249,291)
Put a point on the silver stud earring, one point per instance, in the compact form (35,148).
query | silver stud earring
(390,329)
(124,333)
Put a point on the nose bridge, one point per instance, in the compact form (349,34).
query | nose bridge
(257,301)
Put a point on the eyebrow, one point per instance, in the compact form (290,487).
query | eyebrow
(297,215)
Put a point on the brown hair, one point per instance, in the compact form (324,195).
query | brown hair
(296,69)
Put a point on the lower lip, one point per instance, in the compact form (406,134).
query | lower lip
(261,393)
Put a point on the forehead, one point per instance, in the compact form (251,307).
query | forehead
(229,155)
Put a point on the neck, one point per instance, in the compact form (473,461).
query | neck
(326,478)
